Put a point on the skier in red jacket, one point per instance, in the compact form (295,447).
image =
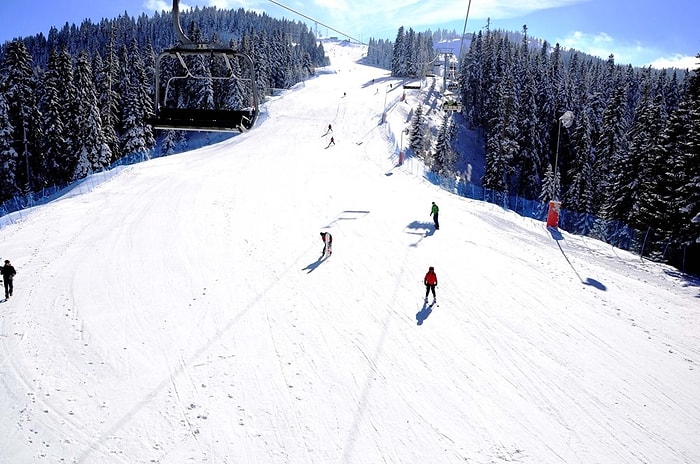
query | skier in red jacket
(430,280)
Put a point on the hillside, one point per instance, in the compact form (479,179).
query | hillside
(178,311)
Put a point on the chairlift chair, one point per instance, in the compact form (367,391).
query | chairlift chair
(238,115)
(452,106)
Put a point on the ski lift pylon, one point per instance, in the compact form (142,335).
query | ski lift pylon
(237,115)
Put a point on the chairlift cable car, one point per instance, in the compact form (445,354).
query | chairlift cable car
(238,115)
(452,106)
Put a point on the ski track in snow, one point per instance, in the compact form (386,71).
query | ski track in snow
(179,312)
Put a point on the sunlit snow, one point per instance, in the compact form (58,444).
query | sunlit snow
(178,311)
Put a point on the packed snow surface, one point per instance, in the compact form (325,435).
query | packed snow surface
(178,311)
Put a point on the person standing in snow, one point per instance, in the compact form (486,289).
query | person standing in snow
(327,244)
(330,128)
(430,281)
(8,273)
(434,213)
(332,142)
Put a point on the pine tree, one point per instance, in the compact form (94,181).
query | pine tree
(444,158)
(528,158)
(399,66)
(57,168)
(93,153)
(502,139)
(580,192)
(169,144)
(410,53)
(418,136)
(67,95)
(471,84)
(648,156)
(546,108)
(24,117)
(611,151)
(688,161)
(8,155)
(551,186)
(137,137)
(106,83)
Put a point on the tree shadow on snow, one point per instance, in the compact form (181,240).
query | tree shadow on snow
(690,280)
(423,314)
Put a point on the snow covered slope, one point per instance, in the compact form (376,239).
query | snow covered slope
(179,313)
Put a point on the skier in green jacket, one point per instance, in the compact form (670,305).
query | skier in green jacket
(434,213)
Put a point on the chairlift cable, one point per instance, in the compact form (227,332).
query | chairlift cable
(316,21)
(464,31)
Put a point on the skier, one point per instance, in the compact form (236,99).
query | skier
(434,213)
(330,128)
(430,281)
(327,244)
(332,142)
(8,273)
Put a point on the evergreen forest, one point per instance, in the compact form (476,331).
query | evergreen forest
(78,100)
(628,162)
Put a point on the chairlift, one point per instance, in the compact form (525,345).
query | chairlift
(452,105)
(229,74)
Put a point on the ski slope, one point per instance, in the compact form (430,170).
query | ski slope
(178,312)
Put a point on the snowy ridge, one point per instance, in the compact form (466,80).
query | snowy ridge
(180,313)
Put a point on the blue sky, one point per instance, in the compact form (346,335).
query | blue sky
(640,32)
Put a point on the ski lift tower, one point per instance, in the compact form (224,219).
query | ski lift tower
(446,53)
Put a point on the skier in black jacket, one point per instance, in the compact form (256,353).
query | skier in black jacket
(8,273)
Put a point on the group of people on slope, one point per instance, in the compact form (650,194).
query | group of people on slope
(430,280)
(330,131)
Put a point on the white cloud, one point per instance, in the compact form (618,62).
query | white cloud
(157,5)
(677,61)
(432,13)
(603,45)
(600,45)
